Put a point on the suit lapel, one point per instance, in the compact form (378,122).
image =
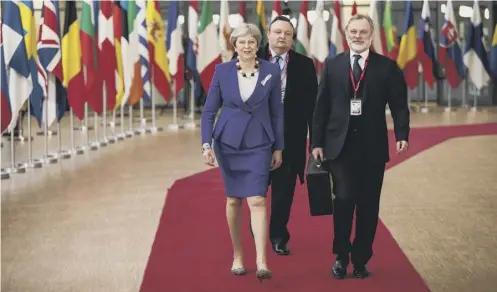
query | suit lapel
(291,71)
(369,75)
(345,67)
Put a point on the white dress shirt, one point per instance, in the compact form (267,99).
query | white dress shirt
(362,60)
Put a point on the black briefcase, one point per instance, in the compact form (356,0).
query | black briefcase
(319,188)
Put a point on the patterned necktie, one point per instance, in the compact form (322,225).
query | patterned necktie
(277,60)
(356,69)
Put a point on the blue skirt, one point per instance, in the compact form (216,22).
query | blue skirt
(245,171)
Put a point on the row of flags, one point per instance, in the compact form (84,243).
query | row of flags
(116,50)
(416,51)
(123,48)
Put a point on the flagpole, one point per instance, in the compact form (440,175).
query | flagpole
(449,98)
(192,123)
(14,167)
(425,109)
(122,134)
(77,150)
(104,142)
(32,163)
(64,154)
(476,93)
(95,144)
(48,159)
(130,133)
(174,126)
(112,139)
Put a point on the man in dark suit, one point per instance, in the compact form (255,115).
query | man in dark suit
(299,90)
(350,135)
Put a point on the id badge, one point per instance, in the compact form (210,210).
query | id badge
(355,107)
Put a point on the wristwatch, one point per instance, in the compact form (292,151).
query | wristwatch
(205,147)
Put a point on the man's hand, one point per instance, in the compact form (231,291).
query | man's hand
(318,153)
(402,146)
(276,159)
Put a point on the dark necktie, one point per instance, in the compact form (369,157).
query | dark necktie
(356,69)
(277,60)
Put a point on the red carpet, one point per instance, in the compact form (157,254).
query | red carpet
(192,249)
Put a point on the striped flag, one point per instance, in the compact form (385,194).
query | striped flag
(378,45)
(407,58)
(227,49)
(426,48)
(192,47)
(136,86)
(319,46)
(449,51)
(89,48)
(390,33)
(117,22)
(159,62)
(338,42)
(16,61)
(174,46)
(208,49)
(71,61)
(302,45)
(6,112)
(144,56)
(260,21)
(276,9)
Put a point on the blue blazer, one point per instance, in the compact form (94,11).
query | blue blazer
(257,121)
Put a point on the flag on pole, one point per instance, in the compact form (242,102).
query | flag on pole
(407,58)
(89,50)
(276,9)
(50,61)
(493,54)
(260,20)
(338,43)
(302,46)
(174,44)
(449,51)
(378,44)
(118,34)
(4,88)
(30,37)
(16,61)
(107,61)
(209,53)
(426,48)
(227,49)
(319,46)
(390,33)
(159,62)
(140,26)
(136,87)
(475,55)
(71,61)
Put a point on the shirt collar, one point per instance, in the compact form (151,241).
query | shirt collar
(273,54)
(364,55)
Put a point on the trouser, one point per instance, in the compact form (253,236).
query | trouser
(283,180)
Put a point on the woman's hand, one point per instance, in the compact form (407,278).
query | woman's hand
(276,160)
(209,157)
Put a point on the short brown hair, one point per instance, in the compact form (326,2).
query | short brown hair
(359,17)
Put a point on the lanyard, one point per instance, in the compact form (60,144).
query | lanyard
(356,86)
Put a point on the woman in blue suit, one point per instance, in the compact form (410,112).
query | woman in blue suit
(248,137)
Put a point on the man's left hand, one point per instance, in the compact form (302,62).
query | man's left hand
(402,146)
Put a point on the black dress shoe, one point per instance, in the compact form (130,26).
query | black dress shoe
(280,249)
(340,269)
(360,272)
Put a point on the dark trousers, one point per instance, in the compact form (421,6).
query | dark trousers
(357,182)
(283,180)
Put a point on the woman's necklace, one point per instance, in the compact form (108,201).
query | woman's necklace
(256,66)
